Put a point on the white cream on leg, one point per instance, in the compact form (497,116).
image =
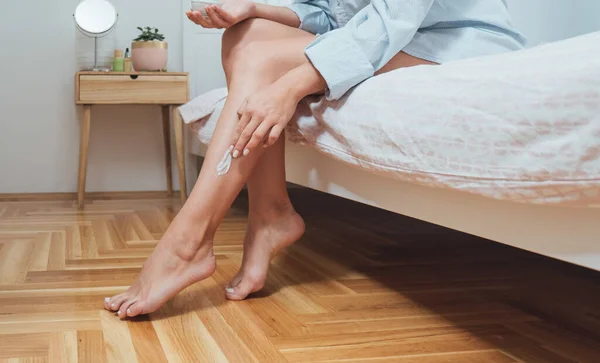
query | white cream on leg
(225,163)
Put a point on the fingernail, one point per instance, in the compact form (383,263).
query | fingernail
(230,290)
(107,299)
(246,152)
(128,311)
(236,153)
(231,148)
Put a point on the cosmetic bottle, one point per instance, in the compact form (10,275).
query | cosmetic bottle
(118,61)
(127,65)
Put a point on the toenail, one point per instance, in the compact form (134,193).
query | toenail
(112,305)
(107,299)
(119,312)
(229,290)
(129,311)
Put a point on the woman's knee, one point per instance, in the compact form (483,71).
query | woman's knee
(257,58)
(239,36)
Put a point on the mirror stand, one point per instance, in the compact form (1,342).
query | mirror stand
(95,68)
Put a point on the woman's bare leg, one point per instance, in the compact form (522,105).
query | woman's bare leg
(273,223)
(184,254)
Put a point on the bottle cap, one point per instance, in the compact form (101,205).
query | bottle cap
(118,53)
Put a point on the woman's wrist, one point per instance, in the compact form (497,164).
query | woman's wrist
(302,81)
(278,14)
(254,12)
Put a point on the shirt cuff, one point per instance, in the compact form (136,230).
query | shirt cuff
(312,19)
(341,62)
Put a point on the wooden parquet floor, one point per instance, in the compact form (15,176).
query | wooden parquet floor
(362,285)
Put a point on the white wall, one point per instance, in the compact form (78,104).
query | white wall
(39,127)
(551,20)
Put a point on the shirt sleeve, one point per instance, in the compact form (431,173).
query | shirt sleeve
(315,15)
(349,55)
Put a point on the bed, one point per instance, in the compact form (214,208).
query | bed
(504,147)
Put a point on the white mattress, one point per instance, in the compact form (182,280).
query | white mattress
(523,126)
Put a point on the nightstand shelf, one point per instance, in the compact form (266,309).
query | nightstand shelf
(165,89)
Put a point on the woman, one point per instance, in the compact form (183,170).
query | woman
(272,59)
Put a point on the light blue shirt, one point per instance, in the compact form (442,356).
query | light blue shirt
(358,37)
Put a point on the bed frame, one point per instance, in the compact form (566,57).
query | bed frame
(568,234)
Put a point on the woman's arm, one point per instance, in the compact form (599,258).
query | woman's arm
(349,55)
(279,14)
(312,16)
(235,11)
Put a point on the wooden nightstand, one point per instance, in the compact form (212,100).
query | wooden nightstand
(168,90)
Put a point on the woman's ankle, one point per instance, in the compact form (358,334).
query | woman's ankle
(265,211)
(189,238)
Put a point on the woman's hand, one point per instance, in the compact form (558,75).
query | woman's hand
(263,117)
(227,15)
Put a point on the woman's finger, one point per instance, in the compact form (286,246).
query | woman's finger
(259,135)
(191,16)
(215,19)
(201,20)
(242,108)
(224,14)
(194,16)
(273,135)
(240,127)
(240,146)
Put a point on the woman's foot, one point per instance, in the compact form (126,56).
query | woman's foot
(267,234)
(176,263)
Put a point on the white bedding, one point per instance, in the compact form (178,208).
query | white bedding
(523,126)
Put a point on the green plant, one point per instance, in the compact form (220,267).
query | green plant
(149,35)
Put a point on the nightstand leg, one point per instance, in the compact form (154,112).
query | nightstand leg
(84,141)
(179,145)
(166,119)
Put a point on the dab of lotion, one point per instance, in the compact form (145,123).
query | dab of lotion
(225,164)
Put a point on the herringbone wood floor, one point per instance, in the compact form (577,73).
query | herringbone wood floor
(362,285)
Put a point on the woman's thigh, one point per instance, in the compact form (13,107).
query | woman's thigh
(238,38)
(268,60)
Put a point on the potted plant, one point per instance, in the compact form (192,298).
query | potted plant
(149,51)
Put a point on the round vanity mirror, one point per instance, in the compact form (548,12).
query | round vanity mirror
(95,18)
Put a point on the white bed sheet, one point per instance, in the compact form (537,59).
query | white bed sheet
(523,126)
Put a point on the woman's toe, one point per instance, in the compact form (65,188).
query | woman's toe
(116,302)
(122,313)
(236,280)
(241,290)
(107,303)
(135,309)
